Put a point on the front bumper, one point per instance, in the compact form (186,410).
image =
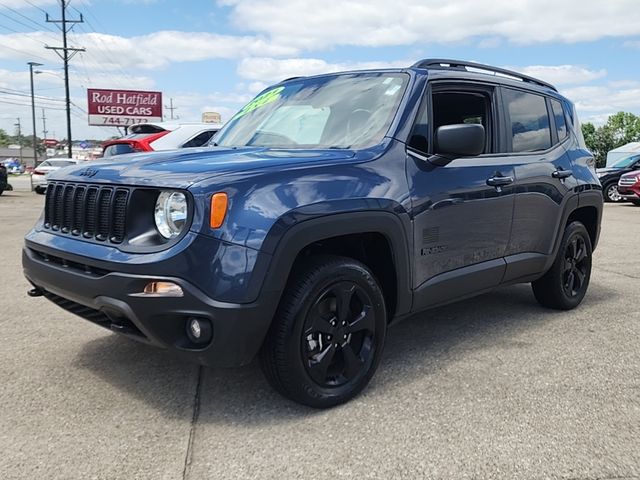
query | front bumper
(112,300)
(629,193)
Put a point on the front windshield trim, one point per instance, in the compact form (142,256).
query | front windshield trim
(335,111)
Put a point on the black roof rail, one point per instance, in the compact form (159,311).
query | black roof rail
(444,63)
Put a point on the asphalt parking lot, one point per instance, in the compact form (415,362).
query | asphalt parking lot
(493,387)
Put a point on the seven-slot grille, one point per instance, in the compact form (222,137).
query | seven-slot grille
(91,211)
(627,181)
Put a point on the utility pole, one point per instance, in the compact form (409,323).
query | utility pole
(33,112)
(44,125)
(17,125)
(170,107)
(65,56)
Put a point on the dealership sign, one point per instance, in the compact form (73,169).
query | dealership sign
(119,108)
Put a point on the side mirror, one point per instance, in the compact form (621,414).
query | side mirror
(458,140)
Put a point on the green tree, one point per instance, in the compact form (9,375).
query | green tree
(4,138)
(620,129)
(625,128)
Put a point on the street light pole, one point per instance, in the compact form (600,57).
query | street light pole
(33,112)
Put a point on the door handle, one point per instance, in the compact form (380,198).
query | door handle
(499,181)
(562,173)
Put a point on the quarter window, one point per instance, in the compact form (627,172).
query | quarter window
(530,130)
(558,115)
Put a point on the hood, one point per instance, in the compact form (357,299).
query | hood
(635,173)
(607,170)
(183,168)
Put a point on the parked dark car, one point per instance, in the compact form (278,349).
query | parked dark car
(331,207)
(610,176)
(4,183)
(629,187)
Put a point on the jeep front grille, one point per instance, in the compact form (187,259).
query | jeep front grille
(90,211)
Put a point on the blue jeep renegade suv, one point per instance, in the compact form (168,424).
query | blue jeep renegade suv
(328,208)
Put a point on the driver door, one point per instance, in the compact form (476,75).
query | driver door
(462,211)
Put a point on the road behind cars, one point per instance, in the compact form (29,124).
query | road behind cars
(493,387)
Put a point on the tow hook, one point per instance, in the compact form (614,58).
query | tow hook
(35,292)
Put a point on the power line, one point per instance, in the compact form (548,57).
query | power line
(9,102)
(101,45)
(29,27)
(35,6)
(39,25)
(11,91)
(28,54)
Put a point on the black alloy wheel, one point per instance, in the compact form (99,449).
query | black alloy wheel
(338,335)
(327,336)
(576,265)
(565,284)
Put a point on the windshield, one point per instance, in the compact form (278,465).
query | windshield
(626,162)
(336,111)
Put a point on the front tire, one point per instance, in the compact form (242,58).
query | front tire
(327,337)
(611,194)
(565,284)
(39,190)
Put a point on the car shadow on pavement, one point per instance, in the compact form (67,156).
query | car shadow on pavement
(415,348)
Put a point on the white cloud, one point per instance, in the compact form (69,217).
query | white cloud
(561,74)
(599,99)
(152,51)
(273,70)
(384,23)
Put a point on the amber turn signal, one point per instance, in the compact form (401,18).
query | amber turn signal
(219,202)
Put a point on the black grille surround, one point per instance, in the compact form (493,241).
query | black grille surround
(90,211)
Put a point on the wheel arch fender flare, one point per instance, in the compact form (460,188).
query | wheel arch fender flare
(589,198)
(283,248)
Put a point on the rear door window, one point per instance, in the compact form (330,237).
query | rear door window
(528,121)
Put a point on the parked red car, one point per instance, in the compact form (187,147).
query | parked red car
(629,187)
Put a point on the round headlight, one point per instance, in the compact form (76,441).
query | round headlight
(171,213)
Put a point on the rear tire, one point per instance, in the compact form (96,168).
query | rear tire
(39,190)
(636,202)
(327,337)
(565,284)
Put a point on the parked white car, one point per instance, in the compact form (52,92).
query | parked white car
(39,175)
(148,137)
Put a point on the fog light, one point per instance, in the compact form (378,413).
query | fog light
(199,330)
(164,289)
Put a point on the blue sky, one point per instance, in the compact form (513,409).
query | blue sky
(215,55)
